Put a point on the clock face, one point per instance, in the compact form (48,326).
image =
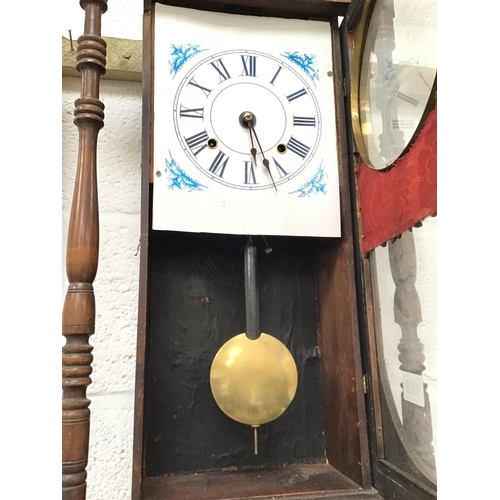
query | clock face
(207,113)
(407,104)
(216,169)
(389,127)
(394,85)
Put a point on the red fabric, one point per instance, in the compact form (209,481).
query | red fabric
(392,202)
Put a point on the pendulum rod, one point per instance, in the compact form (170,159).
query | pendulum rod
(252,303)
(251,292)
(255,446)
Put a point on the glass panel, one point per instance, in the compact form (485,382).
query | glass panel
(404,277)
(397,75)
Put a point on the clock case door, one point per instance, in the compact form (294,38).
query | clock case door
(405,480)
(182,441)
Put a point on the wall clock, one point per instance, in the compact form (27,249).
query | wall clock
(190,281)
(241,140)
(394,78)
(211,69)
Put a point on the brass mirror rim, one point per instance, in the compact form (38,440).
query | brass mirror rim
(360,33)
(359,47)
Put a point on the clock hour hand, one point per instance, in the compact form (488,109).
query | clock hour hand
(253,151)
(265,161)
(246,118)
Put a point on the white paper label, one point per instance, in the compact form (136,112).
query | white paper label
(413,388)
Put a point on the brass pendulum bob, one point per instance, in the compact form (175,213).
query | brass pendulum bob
(253,376)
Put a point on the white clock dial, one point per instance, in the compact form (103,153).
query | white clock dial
(207,109)
(210,173)
(391,122)
(407,102)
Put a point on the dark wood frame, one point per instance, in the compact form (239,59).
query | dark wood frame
(388,479)
(342,375)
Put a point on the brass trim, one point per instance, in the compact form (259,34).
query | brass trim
(359,47)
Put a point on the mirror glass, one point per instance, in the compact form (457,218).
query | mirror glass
(398,71)
(405,303)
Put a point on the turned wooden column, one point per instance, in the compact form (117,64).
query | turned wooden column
(383,51)
(417,420)
(82,258)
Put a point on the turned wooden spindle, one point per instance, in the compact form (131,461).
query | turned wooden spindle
(417,420)
(383,50)
(82,258)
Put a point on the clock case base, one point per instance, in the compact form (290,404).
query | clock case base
(296,482)
(345,469)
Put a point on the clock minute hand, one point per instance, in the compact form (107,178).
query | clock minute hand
(265,161)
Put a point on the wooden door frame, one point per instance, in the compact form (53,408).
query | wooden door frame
(388,479)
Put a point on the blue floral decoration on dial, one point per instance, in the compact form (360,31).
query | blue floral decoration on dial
(179,179)
(305,62)
(315,185)
(180,55)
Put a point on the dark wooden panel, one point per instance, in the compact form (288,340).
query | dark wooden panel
(146,188)
(345,418)
(373,380)
(395,484)
(300,9)
(196,304)
(319,481)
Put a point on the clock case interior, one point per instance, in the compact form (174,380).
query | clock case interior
(184,446)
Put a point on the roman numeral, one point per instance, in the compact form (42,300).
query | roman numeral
(249,173)
(281,171)
(425,81)
(196,140)
(275,75)
(407,98)
(304,121)
(298,147)
(402,124)
(219,164)
(203,89)
(296,95)
(221,69)
(191,113)
(249,65)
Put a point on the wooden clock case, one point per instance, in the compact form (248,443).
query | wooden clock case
(184,446)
